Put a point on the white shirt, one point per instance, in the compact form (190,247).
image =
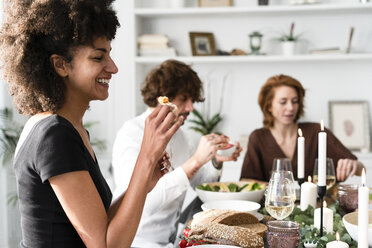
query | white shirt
(163,204)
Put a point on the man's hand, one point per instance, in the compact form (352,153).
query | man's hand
(208,146)
(233,157)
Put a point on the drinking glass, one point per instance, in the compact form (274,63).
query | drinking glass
(283,234)
(280,195)
(282,164)
(330,176)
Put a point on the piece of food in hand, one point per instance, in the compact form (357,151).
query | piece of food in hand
(227,150)
(163,100)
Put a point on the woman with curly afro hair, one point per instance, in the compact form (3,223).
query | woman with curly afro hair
(55,57)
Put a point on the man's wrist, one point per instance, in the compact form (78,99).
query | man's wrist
(216,164)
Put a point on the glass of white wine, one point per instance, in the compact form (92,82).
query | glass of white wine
(330,176)
(280,196)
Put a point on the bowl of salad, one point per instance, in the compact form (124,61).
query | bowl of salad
(217,191)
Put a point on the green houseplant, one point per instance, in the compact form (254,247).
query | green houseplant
(288,41)
(204,122)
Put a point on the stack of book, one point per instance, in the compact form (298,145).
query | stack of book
(155,45)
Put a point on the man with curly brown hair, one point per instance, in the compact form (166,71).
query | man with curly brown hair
(55,56)
(183,87)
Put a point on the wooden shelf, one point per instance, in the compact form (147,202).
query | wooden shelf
(263,59)
(270,9)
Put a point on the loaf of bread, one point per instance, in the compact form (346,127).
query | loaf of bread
(228,227)
(227,235)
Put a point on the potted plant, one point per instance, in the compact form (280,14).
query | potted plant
(288,41)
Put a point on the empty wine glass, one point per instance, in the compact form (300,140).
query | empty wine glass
(280,195)
(330,173)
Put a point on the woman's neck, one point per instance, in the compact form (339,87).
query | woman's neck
(284,131)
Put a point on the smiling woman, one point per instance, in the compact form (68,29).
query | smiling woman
(55,57)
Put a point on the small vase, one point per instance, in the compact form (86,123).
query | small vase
(288,48)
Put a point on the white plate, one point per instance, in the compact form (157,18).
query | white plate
(237,205)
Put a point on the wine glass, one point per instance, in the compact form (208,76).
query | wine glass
(282,164)
(280,195)
(330,173)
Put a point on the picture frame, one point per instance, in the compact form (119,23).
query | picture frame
(214,3)
(349,122)
(202,44)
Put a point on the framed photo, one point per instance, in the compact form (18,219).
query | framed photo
(202,44)
(215,3)
(349,121)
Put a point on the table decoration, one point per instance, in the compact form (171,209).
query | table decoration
(327,218)
(363,202)
(308,194)
(283,234)
(310,234)
(337,243)
(322,170)
(300,158)
(347,196)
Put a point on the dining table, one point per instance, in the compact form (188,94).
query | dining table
(195,207)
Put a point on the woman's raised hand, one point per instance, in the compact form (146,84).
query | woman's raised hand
(160,126)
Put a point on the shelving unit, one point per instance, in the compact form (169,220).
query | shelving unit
(270,9)
(262,59)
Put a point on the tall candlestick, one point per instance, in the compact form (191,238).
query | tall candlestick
(363,201)
(308,194)
(300,155)
(322,156)
(327,218)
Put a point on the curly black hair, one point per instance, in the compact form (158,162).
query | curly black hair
(170,79)
(32,31)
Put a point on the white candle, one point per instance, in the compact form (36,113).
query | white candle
(363,201)
(308,194)
(322,156)
(337,243)
(300,155)
(327,218)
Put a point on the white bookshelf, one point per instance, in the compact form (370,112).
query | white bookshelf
(262,58)
(270,9)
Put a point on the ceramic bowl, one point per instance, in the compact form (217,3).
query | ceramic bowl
(351,224)
(207,196)
(227,152)
(237,205)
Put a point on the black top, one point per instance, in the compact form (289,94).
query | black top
(53,147)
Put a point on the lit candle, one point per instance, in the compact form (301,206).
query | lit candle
(300,155)
(308,194)
(363,201)
(327,218)
(322,156)
(337,243)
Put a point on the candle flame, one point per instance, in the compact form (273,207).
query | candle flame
(322,125)
(337,236)
(363,177)
(300,132)
(324,204)
(309,179)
